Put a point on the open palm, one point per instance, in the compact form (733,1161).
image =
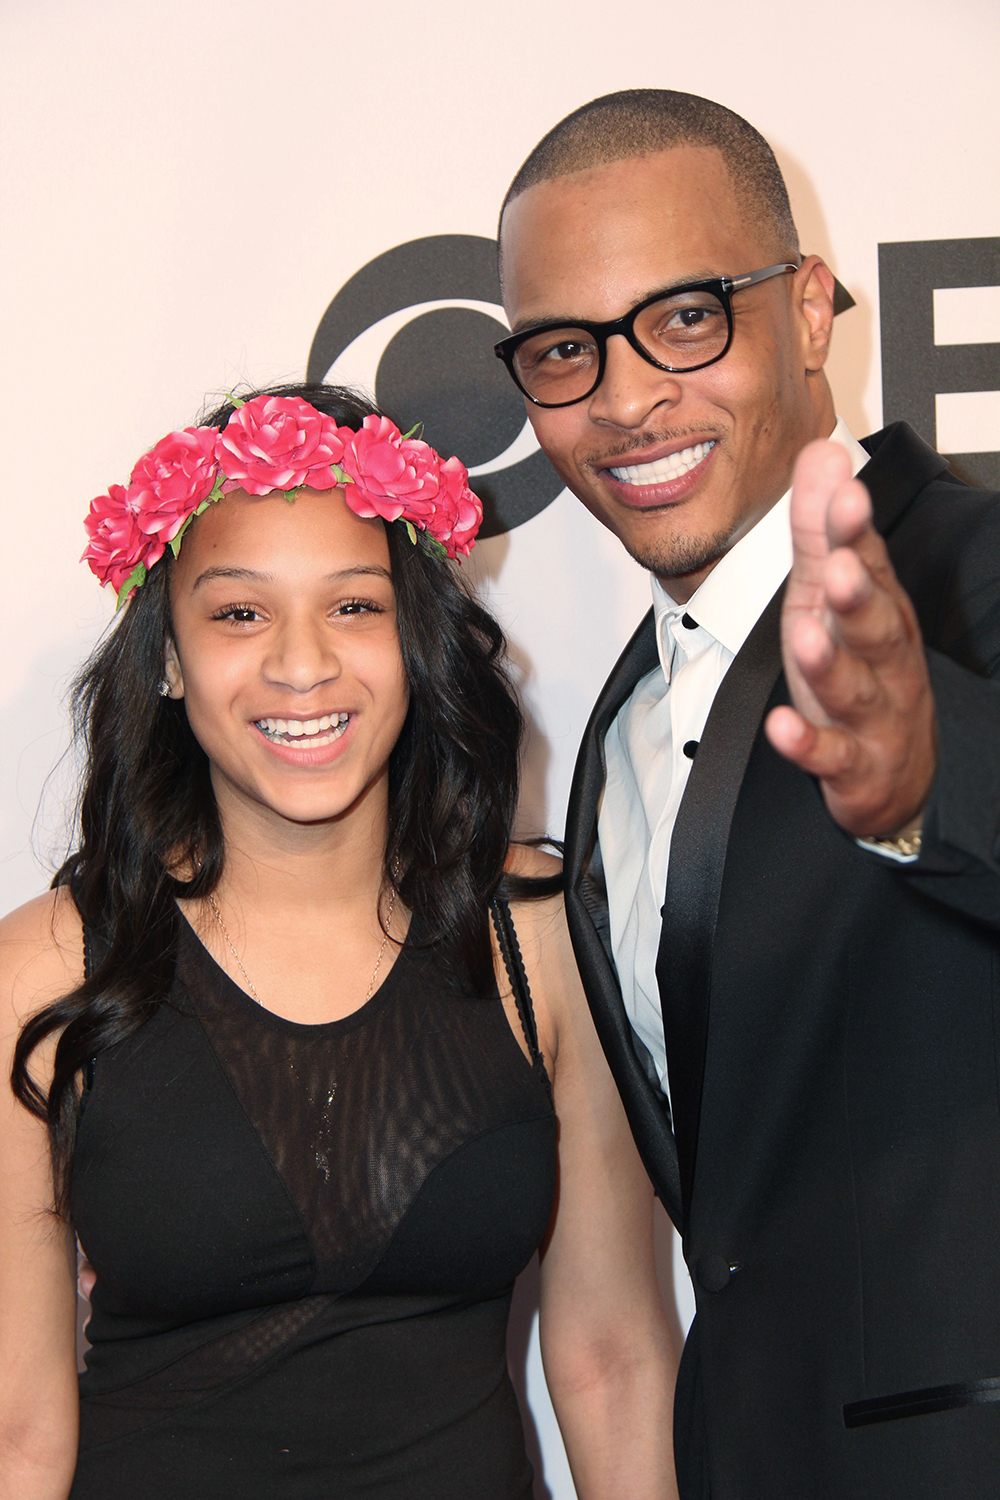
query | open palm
(863,717)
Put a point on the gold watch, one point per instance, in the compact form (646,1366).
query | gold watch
(906,842)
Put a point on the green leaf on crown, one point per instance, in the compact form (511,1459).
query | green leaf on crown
(135,580)
(175,541)
(411,532)
(214,495)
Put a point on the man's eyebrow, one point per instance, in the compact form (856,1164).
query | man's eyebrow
(528,325)
(249,575)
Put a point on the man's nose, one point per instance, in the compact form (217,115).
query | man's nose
(632,388)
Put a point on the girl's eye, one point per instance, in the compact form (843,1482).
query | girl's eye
(358,607)
(249,614)
(240,614)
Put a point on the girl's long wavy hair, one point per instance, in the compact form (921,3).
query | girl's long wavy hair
(147,809)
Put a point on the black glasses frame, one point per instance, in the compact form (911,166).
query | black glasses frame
(721,287)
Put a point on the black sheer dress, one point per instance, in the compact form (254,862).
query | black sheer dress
(305,1239)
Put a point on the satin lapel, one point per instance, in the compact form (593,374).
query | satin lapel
(645,1105)
(900,465)
(638,658)
(694,879)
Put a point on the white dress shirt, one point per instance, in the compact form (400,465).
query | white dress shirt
(650,745)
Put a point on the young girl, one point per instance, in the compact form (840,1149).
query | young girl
(275,1057)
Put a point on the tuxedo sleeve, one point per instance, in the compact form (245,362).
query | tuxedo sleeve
(959,862)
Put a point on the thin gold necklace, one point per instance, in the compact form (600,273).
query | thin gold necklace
(249,982)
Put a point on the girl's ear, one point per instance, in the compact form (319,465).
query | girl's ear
(173,677)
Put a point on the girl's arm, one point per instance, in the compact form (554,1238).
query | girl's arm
(609,1357)
(40,959)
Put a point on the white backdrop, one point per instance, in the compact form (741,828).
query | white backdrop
(186,184)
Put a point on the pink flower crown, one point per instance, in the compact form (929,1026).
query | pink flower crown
(277,443)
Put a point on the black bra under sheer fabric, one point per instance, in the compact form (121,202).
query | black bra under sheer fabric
(305,1239)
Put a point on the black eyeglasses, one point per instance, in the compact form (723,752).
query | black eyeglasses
(683,329)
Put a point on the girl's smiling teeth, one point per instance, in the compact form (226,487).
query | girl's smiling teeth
(672,467)
(312,732)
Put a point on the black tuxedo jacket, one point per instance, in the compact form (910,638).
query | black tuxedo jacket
(832,1023)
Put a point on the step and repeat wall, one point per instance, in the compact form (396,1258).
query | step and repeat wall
(198,195)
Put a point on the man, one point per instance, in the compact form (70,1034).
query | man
(782,845)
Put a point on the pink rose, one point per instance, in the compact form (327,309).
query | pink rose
(172,479)
(393,476)
(459,510)
(401,478)
(278,443)
(117,542)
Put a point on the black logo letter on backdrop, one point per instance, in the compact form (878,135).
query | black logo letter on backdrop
(914,368)
(439,368)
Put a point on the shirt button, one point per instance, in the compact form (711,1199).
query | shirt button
(690,746)
(688,623)
(714,1272)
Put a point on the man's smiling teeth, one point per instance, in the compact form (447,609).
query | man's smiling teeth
(317,731)
(671,467)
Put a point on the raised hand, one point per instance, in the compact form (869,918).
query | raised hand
(863,718)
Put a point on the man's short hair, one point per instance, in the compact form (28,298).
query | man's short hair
(638,122)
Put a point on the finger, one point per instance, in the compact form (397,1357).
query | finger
(86,1280)
(850,524)
(811,645)
(849,584)
(862,806)
(849,514)
(844,686)
(820,750)
(874,623)
(821,468)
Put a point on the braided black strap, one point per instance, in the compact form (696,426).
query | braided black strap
(510,952)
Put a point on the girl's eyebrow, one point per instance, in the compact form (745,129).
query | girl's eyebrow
(249,575)
(242,575)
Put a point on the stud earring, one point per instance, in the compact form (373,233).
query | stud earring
(164,689)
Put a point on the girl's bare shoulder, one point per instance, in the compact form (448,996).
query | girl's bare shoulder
(41,952)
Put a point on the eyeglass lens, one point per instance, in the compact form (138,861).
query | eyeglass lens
(681,331)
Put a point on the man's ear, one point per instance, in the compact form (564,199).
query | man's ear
(815,284)
(172,674)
